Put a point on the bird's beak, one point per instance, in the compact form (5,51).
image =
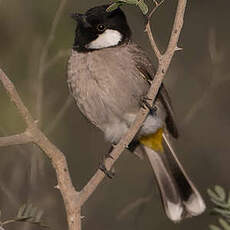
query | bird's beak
(81,19)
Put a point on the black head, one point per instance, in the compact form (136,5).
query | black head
(98,29)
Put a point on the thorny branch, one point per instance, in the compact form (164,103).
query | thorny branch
(74,200)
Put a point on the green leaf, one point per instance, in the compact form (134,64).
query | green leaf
(221,204)
(224,224)
(213,195)
(223,212)
(130,2)
(143,7)
(214,227)
(217,202)
(114,6)
(140,3)
(228,198)
(220,191)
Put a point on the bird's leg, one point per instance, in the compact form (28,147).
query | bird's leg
(133,145)
(132,148)
(145,103)
(102,167)
(110,174)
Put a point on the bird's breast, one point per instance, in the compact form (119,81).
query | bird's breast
(105,84)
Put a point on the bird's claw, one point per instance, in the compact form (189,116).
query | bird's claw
(145,104)
(108,173)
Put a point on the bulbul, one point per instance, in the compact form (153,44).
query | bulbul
(108,75)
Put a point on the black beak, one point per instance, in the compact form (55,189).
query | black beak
(81,19)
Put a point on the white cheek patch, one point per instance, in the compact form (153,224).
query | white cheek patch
(107,39)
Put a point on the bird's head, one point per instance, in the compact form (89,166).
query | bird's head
(99,29)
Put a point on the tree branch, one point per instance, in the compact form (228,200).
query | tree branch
(33,133)
(43,59)
(149,31)
(17,139)
(14,97)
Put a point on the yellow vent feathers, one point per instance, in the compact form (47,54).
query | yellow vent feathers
(153,141)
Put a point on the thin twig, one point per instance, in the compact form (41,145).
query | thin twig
(149,31)
(9,194)
(10,89)
(157,4)
(133,205)
(59,115)
(61,54)
(216,57)
(43,60)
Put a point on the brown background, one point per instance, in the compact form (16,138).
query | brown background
(198,81)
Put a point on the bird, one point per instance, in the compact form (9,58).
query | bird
(108,76)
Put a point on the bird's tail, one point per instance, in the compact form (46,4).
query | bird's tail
(179,196)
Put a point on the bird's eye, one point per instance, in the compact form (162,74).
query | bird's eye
(100,27)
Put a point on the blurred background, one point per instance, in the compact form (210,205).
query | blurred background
(198,81)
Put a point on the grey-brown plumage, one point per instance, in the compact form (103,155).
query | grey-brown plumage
(114,99)
(108,75)
(105,99)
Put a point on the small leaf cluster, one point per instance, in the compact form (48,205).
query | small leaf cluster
(26,213)
(222,207)
(139,3)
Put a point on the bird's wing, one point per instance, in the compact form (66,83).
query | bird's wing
(148,71)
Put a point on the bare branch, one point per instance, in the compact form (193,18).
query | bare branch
(69,194)
(55,59)
(43,59)
(164,61)
(9,194)
(17,139)
(149,31)
(16,99)
(59,115)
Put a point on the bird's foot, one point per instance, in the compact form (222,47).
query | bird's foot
(109,173)
(145,104)
(133,145)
